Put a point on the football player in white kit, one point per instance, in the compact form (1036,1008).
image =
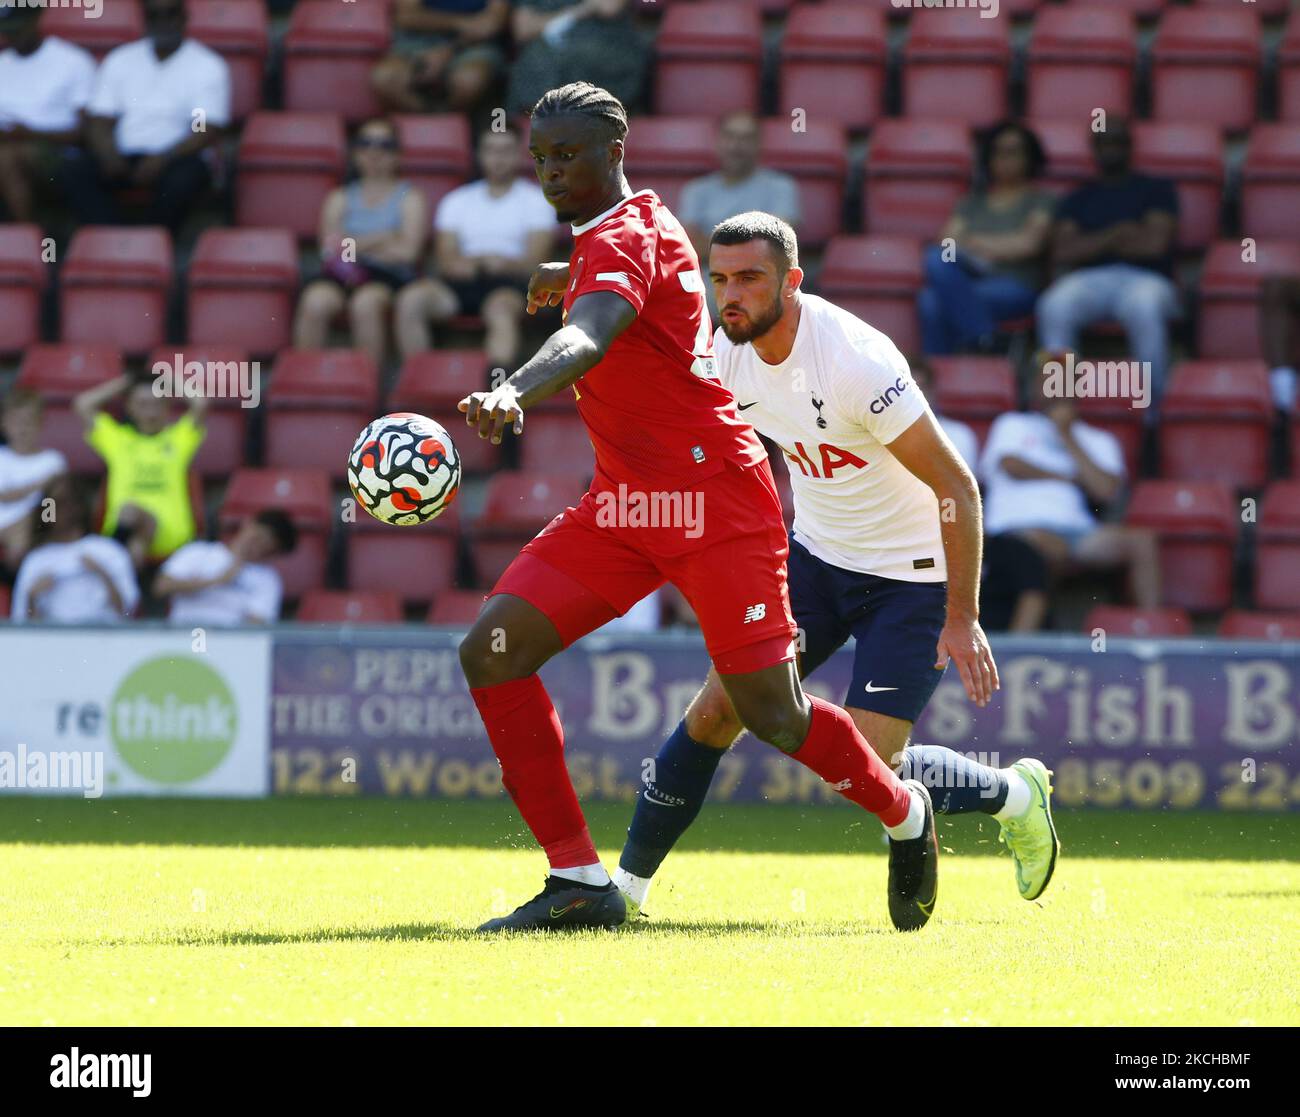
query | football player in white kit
(886,547)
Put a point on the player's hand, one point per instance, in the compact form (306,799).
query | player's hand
(546,286)
(964,643)
(493,411)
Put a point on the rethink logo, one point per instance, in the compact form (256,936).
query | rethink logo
(113,1072)
(988,8)
(181,379)
(1130,380)
(632,508)
(92,9)
(52,771)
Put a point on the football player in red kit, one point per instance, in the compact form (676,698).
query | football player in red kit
(636,350)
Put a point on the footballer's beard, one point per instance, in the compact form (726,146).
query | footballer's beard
(749,328)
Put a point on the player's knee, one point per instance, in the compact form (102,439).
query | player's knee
(776,724)
(487,658)
(711,721)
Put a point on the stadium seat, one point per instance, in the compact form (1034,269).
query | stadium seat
(118,22)
(1120,620)
(1143,9)
(956,65)
(1192,155)
(242,284)
(1267,9)
(437,153)
(288,162)
(1206,66)
(1081,59)
(114,288)
(1239,624)
(302,493)
(1228,322)
(1288,72)
(6,604)
(224,446)
(1270,182)
(665,153)
(24,276)
(239,31)
(458,608)
(816,159)
(318,402)
(1215,423)
(59,373)
(329,51)
(1277,548)
(877,278)
(1067,144)
(708,55)
(517,507)
(417,562)
(432,384)
(833,63)
(975,390)
(355,607)
(916,171)
(1197,525)
(556,443)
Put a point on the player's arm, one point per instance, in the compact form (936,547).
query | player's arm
(924,450)
(594,321)
(92,401)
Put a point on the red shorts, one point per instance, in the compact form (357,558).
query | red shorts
(722,543)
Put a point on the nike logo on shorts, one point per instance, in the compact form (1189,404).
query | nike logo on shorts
(877,689)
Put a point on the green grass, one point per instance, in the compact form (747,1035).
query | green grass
(336,911)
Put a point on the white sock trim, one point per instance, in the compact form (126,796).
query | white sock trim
(913,826)
(1019,796)
(635,888)
(584,874)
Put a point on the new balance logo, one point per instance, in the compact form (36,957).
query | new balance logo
(755,613)
(843,785)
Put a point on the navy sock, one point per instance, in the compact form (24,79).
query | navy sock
(668,804)
(957,784)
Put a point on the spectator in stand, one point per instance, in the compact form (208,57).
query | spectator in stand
(45,85)
(563,41)
(1279,319)
(1042,471)
(1115,236)
(447,55)
(158,104)
(147,506)
(26,472)
(1014,585)
(739,186)
(489,236)
(990,271)
(229,584)
(959,434)
(72,576)
(372,235)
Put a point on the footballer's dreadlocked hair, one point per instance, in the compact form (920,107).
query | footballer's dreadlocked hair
(581,98)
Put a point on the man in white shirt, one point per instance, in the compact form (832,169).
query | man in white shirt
(158,104)
(26,472)
(958,433)
(229,583)
(45,84)
(489,235)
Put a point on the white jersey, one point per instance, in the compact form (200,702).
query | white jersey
(833,406)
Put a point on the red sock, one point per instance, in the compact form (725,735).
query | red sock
(527,737)
(837,752)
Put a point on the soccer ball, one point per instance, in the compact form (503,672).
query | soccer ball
(404,469)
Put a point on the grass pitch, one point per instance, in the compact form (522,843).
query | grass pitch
(360,912)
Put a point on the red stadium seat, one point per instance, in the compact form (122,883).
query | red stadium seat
(333,607)
(916,171)
(877,278)
(318,402)
(432,384)
(1192,155)
(1081,59)
(815,159)
(1143,9)
(242,284)
(709,55)
(1206,66)
(1197,525)
(224,445)
(1277,551)
(239,31)
(6,604)
(1215,423)
(1119,620)
(1267,9)
(304,494)
(1228,324)
(1270,181)
(24,276)
(955,66)
(58,373)
(459,608)
(975,390)
(329,52)
(118,22)
(1288,72)
(1067,144)
(288,163)
(833,63)
(437,154)
(517,507)
(556,443)
(1238,624)
(114,288)
(418,562)
(665,153)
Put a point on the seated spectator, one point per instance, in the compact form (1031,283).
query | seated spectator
(1000,233)
(1042,471)
(71,576)
(1115,237)
(372,235)
(489,236)
(739,186)
(563,41)
(229,584)
(158,104)
(1013,585)
(147,505)
(45,84)
(26,472)
(1279,318)
(447,54)
(959,434)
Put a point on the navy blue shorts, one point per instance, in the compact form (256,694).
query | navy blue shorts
(896,625)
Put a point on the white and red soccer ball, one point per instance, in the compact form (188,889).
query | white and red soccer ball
(404,469)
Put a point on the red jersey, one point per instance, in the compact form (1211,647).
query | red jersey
(658,416)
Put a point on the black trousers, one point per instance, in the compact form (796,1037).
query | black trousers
(90,193)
